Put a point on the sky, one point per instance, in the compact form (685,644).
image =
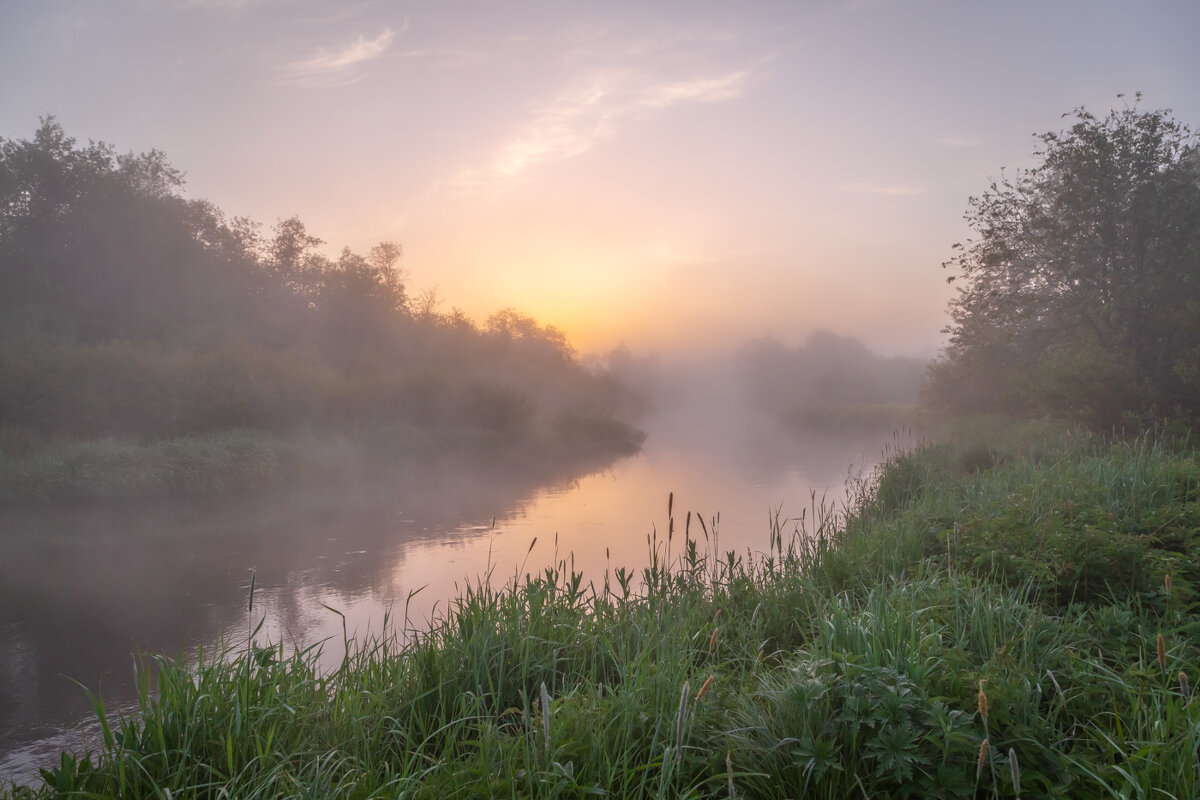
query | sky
(677,176)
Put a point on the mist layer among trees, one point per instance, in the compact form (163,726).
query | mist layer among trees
(129,310)
(828,381)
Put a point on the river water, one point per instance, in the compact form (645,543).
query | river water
(82,591)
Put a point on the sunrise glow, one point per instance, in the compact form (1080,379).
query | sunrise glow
(675,177)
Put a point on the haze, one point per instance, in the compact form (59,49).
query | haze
(677,176)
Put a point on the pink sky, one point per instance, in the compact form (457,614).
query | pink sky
(677,175)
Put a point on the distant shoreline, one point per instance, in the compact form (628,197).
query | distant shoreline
(239,461)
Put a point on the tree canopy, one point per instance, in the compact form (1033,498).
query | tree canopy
(1079,295)
(107,270)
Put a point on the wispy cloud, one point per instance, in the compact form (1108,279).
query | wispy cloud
(885,190)
(342,65)
(706,90)
(447,57)
(590,110)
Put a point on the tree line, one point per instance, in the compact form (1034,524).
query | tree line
(829,381)
(127,308)
(1079,294)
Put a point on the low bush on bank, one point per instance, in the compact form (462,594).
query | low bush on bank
(111,469)
(911,645)
(144,391)
(121,420)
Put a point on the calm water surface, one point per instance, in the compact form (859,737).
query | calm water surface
(82,591)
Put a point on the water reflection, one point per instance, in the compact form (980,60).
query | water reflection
(81,590)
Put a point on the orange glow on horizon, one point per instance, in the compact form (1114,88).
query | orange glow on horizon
(624,172)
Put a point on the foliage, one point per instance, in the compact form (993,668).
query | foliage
(129,311)
(99,245)
(870,657)
(1080,295)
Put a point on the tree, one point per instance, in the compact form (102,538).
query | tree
(1080,295)
(294,258)
(361,300)
(95,245)
(514,328)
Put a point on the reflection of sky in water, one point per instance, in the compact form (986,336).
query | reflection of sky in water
(81,590)
(602,520)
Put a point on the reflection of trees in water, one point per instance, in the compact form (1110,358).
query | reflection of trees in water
(81,589)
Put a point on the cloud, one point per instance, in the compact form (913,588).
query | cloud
(341,65)
(590,110)
(447,57)
(892,190)
(707,90)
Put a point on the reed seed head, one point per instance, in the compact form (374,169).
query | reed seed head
(982,701)
(1161,646)
(712,640)
(705,687)
(1184,687)
(983,751)
(1167,582)
(1016,771)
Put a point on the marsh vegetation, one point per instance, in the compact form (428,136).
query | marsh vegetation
(149,346)
(991,617)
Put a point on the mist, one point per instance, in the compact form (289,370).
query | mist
(588,347)
(829,383)
(179,384)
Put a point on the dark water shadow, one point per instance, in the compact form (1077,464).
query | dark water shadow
(85,589)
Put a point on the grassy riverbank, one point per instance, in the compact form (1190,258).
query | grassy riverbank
(990,618)
(117,469)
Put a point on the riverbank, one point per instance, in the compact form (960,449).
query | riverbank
(1011,590)
(241,461)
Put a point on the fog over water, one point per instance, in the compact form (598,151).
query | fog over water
(344,287)
(83,589)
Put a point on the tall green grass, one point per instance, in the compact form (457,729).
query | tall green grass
(952,633)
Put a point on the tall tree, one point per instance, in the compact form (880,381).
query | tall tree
(97,245)
(1080,294)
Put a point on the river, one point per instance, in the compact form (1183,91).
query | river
(82,591)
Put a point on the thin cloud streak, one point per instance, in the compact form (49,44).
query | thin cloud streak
(703,90)
(588,112)
(448,57)
(338,66)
